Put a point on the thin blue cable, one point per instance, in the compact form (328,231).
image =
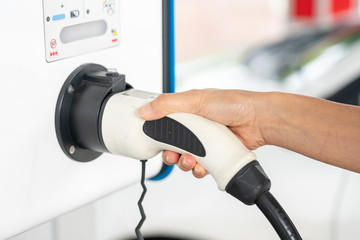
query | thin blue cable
(171,46)
(171,31)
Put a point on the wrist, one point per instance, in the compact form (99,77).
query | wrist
(269,116)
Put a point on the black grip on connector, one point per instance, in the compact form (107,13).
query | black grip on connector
(249,183)
(172,132)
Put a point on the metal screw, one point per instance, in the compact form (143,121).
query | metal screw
(70,89)
(72,149)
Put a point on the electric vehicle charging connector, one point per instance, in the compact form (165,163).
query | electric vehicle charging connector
(99,115)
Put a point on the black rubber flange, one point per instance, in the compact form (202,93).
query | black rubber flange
(62,114)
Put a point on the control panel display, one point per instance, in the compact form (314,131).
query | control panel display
(74,27)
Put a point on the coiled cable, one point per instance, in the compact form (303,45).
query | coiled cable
(142,212)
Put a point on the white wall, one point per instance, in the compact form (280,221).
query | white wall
(37,181)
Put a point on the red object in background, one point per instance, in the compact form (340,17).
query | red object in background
(341,5)
(305,9)
(341,8)
(335,9)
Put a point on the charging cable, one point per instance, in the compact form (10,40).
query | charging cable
(251,186)
(142,212)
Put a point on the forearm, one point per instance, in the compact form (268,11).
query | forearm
(320,129)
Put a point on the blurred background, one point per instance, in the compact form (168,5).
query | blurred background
(278,44)
(309,47)
(213,27)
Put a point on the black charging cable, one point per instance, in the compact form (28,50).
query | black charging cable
(142,212)
(251,186)
(277,216)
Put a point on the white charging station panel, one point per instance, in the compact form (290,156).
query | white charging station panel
(73,27)
(38,182)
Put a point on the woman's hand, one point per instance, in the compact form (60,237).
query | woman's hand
(234,108)
(320,129)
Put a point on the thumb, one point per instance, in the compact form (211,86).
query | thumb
(168,103)
(147,112)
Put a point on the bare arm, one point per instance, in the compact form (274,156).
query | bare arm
(320,129)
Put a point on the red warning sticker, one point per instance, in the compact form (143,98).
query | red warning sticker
(53,43)
(52,54)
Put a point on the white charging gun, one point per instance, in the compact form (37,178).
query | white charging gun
(96,112)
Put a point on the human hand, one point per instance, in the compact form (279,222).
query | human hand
(233,108)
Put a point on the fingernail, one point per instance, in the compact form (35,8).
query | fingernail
(197,170)
(167,160)
(145,111)
(186,163)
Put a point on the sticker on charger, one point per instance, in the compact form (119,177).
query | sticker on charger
(140,94)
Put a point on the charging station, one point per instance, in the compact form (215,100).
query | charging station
(43,48)
(41,45)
